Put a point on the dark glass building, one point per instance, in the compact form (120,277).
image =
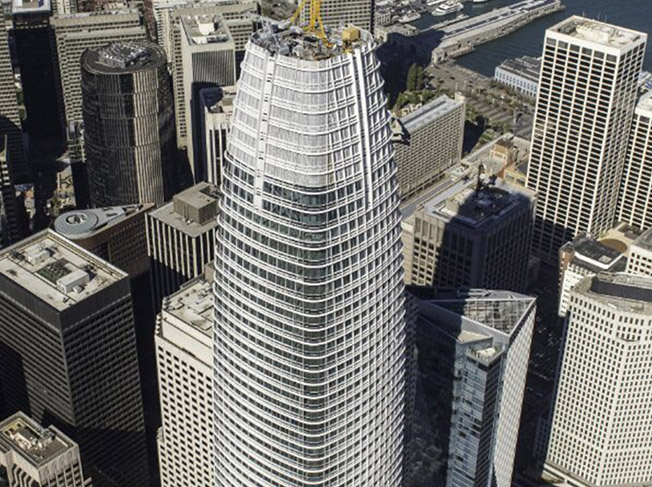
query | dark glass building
(129,131)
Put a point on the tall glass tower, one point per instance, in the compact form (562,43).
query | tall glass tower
(309,319)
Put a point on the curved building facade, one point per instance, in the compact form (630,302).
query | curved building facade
(129,130)
(309,319)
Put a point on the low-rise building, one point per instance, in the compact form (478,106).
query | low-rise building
(520,74)
(33,456)
(116,234)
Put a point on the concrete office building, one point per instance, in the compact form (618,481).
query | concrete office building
(10,124)
(74,33)
(584,257)
(470,234)
(68,316)
(341,13)
(14,224)
(238,14)
(181,239)
(309,316)
(520,74)
(31,21)
(184,358)
(428,142)
(587,94)
(117,235)
(38,457)
(207,60)
(601,430)
(128,115)
(217,108)
(473,352)
(635,202)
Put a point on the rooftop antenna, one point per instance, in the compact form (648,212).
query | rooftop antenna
(315,24)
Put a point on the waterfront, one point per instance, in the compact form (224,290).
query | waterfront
(633,14)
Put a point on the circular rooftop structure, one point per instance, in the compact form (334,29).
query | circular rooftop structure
(123,57)
(80,224)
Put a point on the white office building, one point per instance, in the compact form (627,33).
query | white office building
(587,94)
(635,205)
(309,309)
(601,430)
(184,358)
(217,109)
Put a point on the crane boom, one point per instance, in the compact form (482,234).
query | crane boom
(315,24)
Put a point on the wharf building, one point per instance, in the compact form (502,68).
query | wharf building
(428,142)
(207,60)
(184,358)
(217,109)
(587,94)
(181,238)
(128,113)
(74,33)
(473,352)
(635,202)
(601,431)
(309,352)
(33,456)
(117,235)
(67,318)
(35,54)
(520,74)
(10,124)
(470,233)
(341,13)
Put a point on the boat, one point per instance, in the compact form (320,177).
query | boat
(435,3)
(409,17)
(480,1)
(447,8)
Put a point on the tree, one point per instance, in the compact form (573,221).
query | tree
(419,81)
(411,84)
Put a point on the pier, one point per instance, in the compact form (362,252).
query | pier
(462,37)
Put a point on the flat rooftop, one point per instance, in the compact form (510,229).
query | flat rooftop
(193,211)
(644,240)
(292,41)
(124,57)
(80,224)
(527,66)
(57,271)
(644,105)
(218,100)
(205,29)
(475,205)
(592,254)
(193,304)
(30,6)
(429,112)
(598,32)
(24,436)
(627,292)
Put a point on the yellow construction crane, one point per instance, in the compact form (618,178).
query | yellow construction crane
(315,25)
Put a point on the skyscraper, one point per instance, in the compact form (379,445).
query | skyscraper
(309,308)
(75,33)
(31,20)
(601,430)
(181,239)
(587,94)
(217,109)
(469,233)
(10,125)
(336,13)
(68,317)
(635,202)
(207,60)
(184,358)
(128,124)
(38,457)
(14,223)
(473,351)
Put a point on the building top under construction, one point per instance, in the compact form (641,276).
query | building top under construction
(308,44)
